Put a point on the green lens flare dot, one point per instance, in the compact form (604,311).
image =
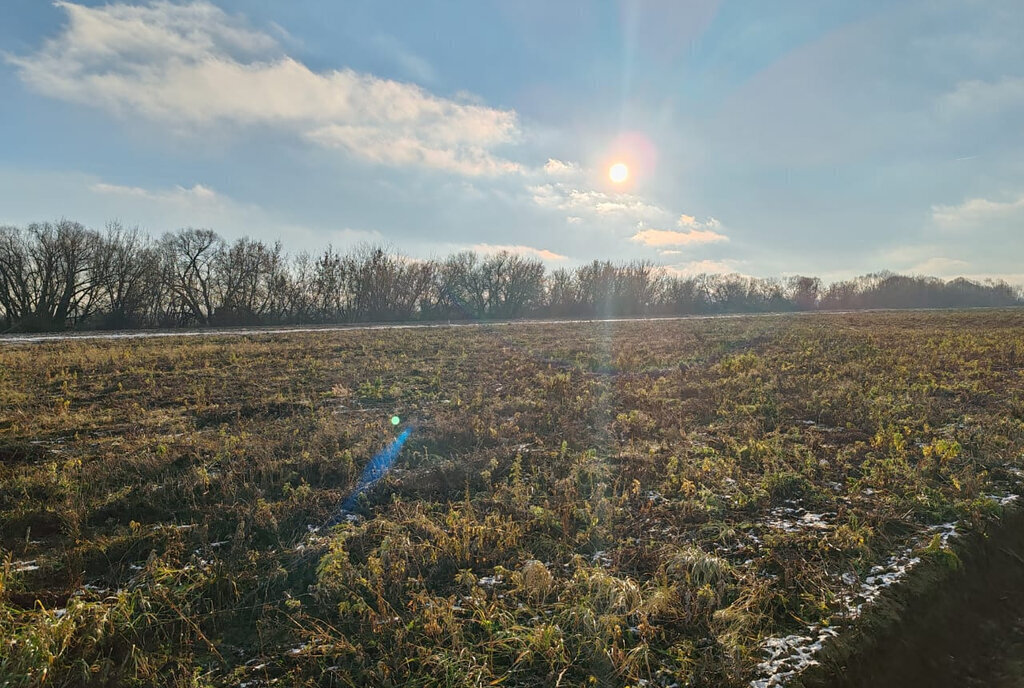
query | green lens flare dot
(395,420)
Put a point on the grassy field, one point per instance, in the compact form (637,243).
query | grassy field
(586,504)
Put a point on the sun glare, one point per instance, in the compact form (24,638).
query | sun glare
(618,172)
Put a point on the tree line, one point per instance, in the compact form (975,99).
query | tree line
(61,275)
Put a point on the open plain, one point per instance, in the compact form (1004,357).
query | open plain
(660,503)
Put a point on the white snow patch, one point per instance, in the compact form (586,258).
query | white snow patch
(787,656)
(796,519)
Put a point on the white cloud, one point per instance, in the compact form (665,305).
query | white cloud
(178,194)
(159,210)
(529,251)
(704,267)
(193,66)
(596,204)
(694,232)
(939,266)
(668,237)
(619,211)
(560,168)
(933,260)
(408,149)
(691,221)
(975,97)
(1012,278)
(976,212)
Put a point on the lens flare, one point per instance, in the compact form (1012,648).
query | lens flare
(618,172)
(375,470)
(395,420)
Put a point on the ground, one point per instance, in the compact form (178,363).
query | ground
(576,504)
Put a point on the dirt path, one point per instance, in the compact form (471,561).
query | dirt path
(292,329)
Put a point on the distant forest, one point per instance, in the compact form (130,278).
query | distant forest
(57,276)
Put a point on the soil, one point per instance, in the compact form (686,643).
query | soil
(965,631)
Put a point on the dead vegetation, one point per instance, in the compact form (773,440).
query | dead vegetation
(585,504)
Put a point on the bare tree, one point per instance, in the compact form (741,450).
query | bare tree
(511,285)
(47,274)
(16,276)
(560,293)
(803,292)
(329,287)
(462,290)
(250,281)
(683,296)
(386,286)
(127,275)
(56,275)
(191,257)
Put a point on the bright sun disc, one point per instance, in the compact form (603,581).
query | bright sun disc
(618,172)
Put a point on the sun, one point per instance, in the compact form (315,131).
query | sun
(618,172)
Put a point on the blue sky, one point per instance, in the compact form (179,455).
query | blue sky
(816,137)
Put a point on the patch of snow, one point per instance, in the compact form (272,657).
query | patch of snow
(788,656)
(174,526)
(655,497)
(1003,500)
(95,589)
(795,520)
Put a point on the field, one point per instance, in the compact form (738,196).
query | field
(579,504)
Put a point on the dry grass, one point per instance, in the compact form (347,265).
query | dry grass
(586,504)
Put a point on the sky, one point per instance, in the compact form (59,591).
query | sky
(820,137)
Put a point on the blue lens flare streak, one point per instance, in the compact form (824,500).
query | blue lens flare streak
(377,468)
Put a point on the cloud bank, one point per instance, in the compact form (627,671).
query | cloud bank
(193,66)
